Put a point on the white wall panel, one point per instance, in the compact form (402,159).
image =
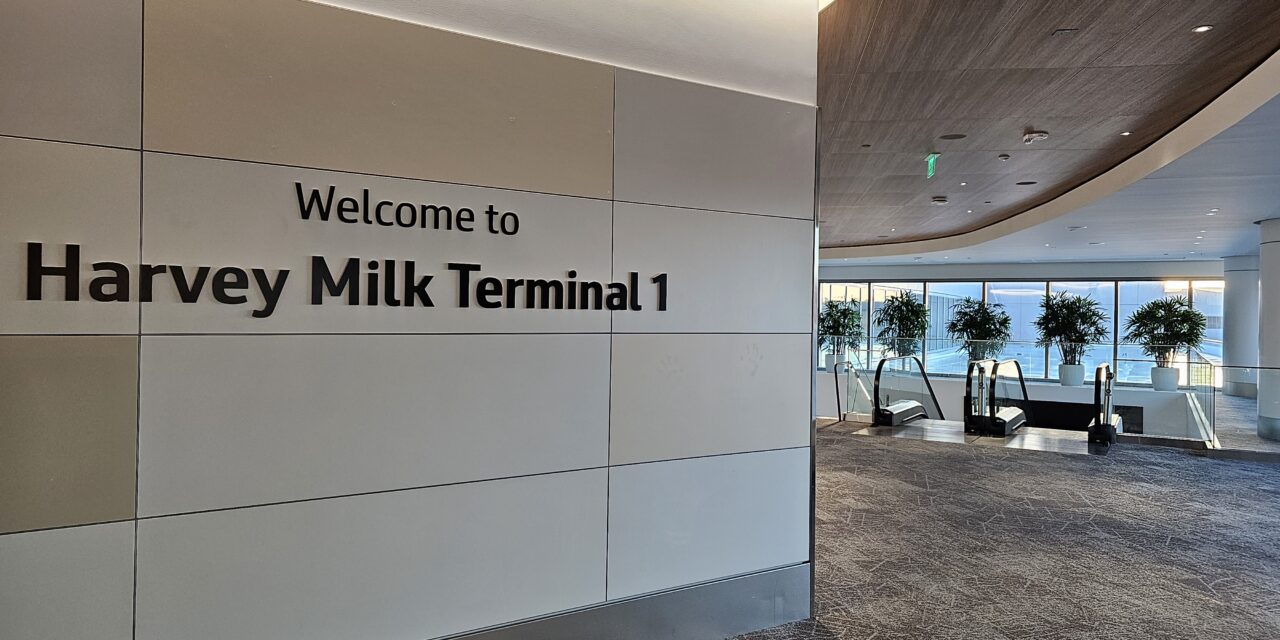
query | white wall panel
(68,584)
(761,46)
(239,420)
(223,213)
(679,396)
(690,145)
(728,273)
(393,566)
(687,521)
(72,70)
(59,194)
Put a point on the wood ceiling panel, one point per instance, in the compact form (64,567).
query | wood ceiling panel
(897,74)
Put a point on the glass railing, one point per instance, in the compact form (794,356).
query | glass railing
(901,391)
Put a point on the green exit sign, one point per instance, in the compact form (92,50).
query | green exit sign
(931,161)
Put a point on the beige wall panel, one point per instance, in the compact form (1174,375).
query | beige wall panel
(691,145)
(71,70)
(298,83)
(58,194)
(68,584)
(68,421)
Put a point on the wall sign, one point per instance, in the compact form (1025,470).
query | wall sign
(54,272)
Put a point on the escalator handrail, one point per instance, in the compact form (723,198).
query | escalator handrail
(1022,382)
(968,386)
(1102,382)
(876,387)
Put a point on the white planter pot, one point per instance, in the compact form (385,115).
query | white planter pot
(1164,378)
(828,361)
(1071,375)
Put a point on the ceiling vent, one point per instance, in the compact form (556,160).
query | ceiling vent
(1034,136)
(939,201)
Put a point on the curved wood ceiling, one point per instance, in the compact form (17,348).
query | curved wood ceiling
(896,75)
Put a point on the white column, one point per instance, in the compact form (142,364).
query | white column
(1240,326)
(1269,330)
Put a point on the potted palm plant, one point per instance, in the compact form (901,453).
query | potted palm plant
(1163,327)
(839,323)
(1071,323)
(984,327)
(903,321)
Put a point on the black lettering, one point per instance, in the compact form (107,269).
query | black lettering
(515,223)
(270,291)
(635,291)
(486,289)
(389,284)
(322,280)
(413,213)
(540,291)
(492,214)
(146,280)
(661,281)
(418,290)
(345,206)
(513,284)
(464,293)
(189,292)
(230,279)
(617,300)
(118,281)
(589,301)
(37,271)
(435,216)
(364,197)
(314,203)
(371,292)
(465,217)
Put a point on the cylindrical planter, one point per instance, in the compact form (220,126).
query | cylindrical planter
(1071,375)
(829,361)
(1164,378)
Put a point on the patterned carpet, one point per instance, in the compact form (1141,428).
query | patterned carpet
(943,541)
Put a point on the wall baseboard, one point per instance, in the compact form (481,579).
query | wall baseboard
(711,611)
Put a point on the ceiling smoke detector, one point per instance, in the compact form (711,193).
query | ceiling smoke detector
(1034,136)
(939,201)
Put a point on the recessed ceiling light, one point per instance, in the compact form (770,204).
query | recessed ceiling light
(1126,133)
(1215,210)
(946,257)
(1199,237)
(1202,28)
(1047,244)
(953,136)
(893,230)
(866,146)
(1097,243)
(986,202)
(1026,183)
(1077,227)
(1004,157)
(964,184)
(1190,252)
(1211,213)
(882,236)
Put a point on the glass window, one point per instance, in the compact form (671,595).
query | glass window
(1021,301)
(1207,297)
(881,291)
(942,354)
(1104,293)
(1132,365)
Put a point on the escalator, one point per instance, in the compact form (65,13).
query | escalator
(1106,424)
(996,402)
(903,393)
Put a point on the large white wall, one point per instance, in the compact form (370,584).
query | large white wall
(336,471)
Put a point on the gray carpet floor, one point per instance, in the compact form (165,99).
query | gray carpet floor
(946,541)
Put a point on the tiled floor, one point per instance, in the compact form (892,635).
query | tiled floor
(930,540)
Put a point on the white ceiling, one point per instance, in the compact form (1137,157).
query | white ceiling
(767,47)
(1158,217)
